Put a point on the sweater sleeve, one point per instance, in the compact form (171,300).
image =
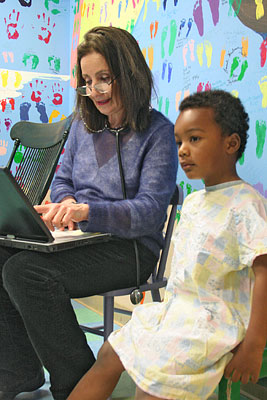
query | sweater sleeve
(62,185)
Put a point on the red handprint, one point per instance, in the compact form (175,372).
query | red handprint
(11,27)
(57,96)
(12,103)
(3,103)
(45,30)
(36,95)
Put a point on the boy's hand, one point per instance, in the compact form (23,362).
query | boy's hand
(247,359)
(245,364)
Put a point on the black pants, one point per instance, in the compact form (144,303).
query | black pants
(38,326)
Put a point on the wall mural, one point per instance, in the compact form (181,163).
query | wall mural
(190,45)
(34,65)
(195,45)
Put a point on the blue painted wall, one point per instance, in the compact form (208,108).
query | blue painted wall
(190,45)
(34,64)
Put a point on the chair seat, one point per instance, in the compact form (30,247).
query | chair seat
(143,288)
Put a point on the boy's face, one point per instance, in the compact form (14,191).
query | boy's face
(202,149)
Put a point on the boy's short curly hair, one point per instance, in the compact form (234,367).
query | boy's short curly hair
(229,113)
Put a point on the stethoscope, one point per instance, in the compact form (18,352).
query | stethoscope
(136,296)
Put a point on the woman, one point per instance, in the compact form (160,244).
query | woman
(113,121)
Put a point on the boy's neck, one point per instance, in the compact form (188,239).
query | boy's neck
(224,179)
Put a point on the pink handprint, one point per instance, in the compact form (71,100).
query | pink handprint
(11,27)
(200,86)
(3,147)
(46,32)
(263,52)
(208,86)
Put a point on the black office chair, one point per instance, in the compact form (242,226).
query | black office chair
(155,282)
(37,149)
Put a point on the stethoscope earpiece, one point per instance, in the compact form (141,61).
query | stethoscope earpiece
(136,296)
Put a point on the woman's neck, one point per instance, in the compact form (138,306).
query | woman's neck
(116,121)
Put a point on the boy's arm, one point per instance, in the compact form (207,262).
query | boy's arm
(247,359)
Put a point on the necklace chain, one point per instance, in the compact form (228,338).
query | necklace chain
(113,130)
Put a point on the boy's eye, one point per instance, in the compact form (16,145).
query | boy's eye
(178,143)
(194,139)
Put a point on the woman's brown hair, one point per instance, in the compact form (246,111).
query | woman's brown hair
(133,76)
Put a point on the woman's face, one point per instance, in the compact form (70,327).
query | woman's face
(94,71)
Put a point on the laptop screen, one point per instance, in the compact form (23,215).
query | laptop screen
(18,218)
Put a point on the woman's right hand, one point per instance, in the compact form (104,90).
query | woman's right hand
(63,215)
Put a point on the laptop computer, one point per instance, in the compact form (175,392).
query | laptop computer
(22,227)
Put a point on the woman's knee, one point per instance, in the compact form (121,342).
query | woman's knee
(5,254)
(10,272)
(18,274)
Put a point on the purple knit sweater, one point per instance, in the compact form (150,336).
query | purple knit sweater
(90,173)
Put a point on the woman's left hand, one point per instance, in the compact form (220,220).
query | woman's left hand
(63,215)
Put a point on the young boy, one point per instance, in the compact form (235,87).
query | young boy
(213,318)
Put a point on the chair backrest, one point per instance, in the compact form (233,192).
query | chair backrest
(177,199)
(36,150)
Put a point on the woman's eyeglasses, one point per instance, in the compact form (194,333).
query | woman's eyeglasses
(102,87)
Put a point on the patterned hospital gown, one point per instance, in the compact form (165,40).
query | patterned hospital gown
(178,349)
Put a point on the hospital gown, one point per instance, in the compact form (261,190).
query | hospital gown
(178,349)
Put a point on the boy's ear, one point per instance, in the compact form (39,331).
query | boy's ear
(233,143)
